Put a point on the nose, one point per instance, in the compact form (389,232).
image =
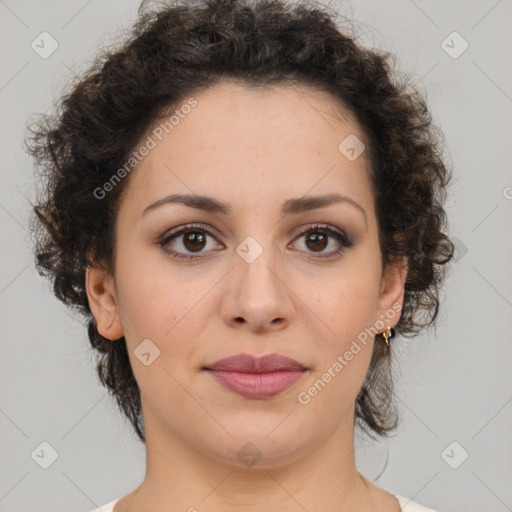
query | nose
(257,297)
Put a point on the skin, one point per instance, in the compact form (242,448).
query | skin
(253,149)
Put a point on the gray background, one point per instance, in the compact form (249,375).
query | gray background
(455,382)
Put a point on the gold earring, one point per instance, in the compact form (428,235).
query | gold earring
(386,334)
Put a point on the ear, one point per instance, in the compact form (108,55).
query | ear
(392,291)
(103,302)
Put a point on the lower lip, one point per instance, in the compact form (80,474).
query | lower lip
(257,385)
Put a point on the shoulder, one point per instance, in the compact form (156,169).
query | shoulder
(408,505)
(109,507)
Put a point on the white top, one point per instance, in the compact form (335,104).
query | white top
(406,505)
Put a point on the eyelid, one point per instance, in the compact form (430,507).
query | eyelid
(214,232)
(207,228)
(323,226)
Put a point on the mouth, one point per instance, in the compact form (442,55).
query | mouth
(256,377)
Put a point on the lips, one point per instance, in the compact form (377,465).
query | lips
(251,364)
(256,377)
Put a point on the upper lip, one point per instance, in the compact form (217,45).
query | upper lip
(254,364)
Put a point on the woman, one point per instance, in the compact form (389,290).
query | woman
(246,206)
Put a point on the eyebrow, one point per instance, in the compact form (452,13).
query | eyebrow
(290,206)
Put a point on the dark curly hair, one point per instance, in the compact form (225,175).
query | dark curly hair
(178,50)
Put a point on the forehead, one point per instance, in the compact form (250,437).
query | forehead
(269,114)
(241,138)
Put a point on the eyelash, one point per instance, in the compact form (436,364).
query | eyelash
(340,237)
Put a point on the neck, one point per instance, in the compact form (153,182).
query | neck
(180,477)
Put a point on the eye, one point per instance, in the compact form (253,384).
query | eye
(191,239)
(189,242)
(317,238)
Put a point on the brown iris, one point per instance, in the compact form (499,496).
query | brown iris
(194,240)
(316,241)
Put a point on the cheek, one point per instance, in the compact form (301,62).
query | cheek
(166,317)
(347,301)
(151,298)
(162,304)
(346,304)
(345,353)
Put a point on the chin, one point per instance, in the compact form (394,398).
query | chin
(258,443)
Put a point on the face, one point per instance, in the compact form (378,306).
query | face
(256,269)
